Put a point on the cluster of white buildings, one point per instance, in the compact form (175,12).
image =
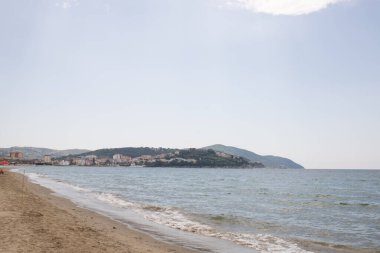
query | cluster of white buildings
(93,160)
(118,159)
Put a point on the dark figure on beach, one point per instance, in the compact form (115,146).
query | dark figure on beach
(1,172)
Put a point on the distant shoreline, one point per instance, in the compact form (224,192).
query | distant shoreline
(211,156)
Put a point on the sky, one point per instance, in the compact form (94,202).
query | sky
(295,78)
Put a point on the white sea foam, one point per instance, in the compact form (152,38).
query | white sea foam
(35,177)
(176,219)
(115,200)
(262,243)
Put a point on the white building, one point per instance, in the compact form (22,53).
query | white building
(47,159)
(64,163)
(117,158)
(79,161)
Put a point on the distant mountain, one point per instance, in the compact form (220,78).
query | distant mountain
(129,151)
(175,157)
(38,153)
(269,161)
(200,158)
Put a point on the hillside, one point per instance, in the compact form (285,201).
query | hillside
(269,161)
(38,153)
(165,157)
(204,158)
(129,151)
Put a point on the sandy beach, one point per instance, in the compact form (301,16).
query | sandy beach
(34,220)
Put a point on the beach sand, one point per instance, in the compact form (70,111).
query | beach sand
(34,220)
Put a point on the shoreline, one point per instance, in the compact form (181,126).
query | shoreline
(33,219)
(98,222)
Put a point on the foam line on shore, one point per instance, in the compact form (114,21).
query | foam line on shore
(167,216)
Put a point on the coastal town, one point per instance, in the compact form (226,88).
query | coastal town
(17,158)
(150,157)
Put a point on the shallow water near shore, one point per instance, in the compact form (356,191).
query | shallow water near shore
(231,210)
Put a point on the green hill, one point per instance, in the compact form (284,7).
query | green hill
(205,158)
(177,157)
(269,161)
(129,151)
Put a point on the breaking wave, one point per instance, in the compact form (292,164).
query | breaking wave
(176,219)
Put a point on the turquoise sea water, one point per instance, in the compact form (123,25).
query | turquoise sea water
(263,210)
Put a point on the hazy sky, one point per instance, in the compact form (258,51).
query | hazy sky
(296,78)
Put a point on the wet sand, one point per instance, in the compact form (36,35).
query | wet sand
(34,220)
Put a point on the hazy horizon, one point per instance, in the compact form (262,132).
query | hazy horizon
(299,79)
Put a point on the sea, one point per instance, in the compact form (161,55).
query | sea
(225,210)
